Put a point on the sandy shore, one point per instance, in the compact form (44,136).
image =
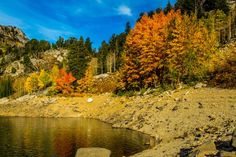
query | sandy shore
(177,119)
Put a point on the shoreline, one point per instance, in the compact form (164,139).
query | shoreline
(172,118)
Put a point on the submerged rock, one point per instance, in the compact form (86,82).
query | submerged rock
(93,152)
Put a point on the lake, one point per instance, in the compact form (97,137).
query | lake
(61,137)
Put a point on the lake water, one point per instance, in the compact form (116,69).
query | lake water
(52,137)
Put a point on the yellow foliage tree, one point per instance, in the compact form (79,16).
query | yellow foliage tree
(44,79)
(55,73)
(31,84)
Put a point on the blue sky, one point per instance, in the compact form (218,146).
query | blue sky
(97,19)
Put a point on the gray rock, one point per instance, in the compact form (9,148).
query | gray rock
(234,138)
(206,149)
(227,154)
(93,152)
(200,85)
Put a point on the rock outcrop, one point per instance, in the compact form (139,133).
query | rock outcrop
(10,35)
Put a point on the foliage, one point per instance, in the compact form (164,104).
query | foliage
(78,58)
(36,47)
(85,84)
(201,6)
(31,84)
(55,73)
(223,72)
(18,86)
(29,67)
(64,83)
(216,5)
(102,54)
(105,83)
(6,87)
(166,49)
(60,42)
(168,7)
(37,81)
(44,79)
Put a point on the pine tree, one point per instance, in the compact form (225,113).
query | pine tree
(60,42)
(88,46)
(127,28)
(103,52)
(168,7)
(78,58)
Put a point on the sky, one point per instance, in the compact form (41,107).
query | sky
(96,19)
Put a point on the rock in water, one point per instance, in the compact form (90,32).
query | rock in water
(234,139)
(93,152)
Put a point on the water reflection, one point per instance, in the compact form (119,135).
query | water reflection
(48,137)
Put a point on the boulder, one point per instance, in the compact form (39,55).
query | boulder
(16,68)
(233,140)
(90,100)
(227,154)
(200,85)
(93,152)
(206,149)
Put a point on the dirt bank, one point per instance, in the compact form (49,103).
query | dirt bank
(177,119)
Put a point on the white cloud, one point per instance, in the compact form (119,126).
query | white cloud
(52,34)
(99,1)
(124,10)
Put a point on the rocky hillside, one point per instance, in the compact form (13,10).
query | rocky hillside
(10,35)
(15,46)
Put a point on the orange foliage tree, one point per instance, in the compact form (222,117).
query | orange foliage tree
(165,48)
(64,82)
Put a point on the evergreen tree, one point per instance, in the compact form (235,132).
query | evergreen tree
(60,42)
(158,10)
(78,58)
(71,42)
(216,4)
(29,67)
(201,6)
(168,7)
(127,28)
(88,46)
(186,6)
(103,52)
(140,16)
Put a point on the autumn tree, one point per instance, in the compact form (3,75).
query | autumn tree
(166,49)
(31,84)
(64,83)
(44,79)
(85,84)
